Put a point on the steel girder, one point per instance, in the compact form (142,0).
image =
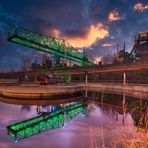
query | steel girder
(48,44)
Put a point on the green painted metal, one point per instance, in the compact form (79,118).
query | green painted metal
(48,44)
(44,122)
(67,78)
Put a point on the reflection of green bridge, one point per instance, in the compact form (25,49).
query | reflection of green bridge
(44,122)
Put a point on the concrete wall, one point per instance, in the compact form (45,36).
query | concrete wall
(113,86)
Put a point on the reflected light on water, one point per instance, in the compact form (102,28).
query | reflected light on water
(100,126)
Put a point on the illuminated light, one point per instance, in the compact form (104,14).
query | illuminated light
(16,141)
(140,7)
(98,59)
(83,115)
(114,16)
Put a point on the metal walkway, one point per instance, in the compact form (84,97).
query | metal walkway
(102,69)
(44,122)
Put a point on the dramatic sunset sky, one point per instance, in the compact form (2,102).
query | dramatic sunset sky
(97,25)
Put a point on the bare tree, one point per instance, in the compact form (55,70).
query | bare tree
(26,62)
(108,58)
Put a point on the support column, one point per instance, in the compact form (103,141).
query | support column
(86,78)
(124,78)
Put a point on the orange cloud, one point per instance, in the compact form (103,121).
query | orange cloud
(92,34)
(140,7)
(107,45)
(114,16)
(56,33)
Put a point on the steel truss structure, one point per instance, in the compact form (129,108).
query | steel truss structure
(36,125)
(48,44)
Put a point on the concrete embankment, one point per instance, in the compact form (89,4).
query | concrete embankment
(33,91)
(37,92)
(114,86)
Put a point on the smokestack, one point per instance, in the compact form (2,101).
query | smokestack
(124,47)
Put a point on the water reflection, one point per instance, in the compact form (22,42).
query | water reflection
(44,101)
(55,116)
(108,117)
(121,104)
(26,107)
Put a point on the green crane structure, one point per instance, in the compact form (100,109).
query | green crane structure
(44,122)
(48,44)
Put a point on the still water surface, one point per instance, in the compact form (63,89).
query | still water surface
(110,120)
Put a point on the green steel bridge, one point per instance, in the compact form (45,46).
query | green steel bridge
(44,122)
(48,44)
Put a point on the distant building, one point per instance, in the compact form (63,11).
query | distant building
(35,66)
(141,46)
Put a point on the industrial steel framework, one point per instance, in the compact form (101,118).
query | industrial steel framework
(44,122)
(48,44)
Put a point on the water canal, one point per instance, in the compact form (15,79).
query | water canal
(110,120)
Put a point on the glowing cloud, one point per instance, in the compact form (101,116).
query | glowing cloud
(114,16)
(53,32)
(107,45)
(93,33)
(140,7)
(56,33)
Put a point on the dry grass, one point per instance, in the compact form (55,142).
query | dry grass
(129,138)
